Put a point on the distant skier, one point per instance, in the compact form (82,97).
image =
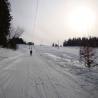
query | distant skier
(30,52)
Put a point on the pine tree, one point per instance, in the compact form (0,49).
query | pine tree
(5,19)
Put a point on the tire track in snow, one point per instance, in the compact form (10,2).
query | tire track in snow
(39,89)
(54,87)
(6,75)
(9,61)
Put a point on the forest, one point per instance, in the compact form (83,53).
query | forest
(84,41)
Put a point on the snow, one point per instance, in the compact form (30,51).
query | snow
(48,73)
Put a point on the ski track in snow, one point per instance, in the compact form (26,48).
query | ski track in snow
(37,76)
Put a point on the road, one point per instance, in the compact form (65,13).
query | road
(33,76)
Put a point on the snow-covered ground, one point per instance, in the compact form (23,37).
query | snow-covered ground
(48,73)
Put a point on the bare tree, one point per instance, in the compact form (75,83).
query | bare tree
(15,32)
(13,37)
(87,55)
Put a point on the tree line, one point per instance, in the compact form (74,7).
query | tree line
(91,41)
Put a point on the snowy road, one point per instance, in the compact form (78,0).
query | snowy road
(34,76)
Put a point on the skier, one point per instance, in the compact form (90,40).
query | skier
(30,52)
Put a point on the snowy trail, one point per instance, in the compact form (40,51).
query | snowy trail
(33,77)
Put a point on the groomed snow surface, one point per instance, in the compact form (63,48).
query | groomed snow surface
(48,73)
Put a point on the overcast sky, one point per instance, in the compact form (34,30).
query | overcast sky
(54,19)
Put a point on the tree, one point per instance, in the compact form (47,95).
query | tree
(15,32)
(5,19)
(53,45)
(14,37)
(30,45)
(93,42)
(87,55)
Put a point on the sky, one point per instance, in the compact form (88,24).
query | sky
(48,21)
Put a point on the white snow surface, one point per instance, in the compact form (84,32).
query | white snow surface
(48,73)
